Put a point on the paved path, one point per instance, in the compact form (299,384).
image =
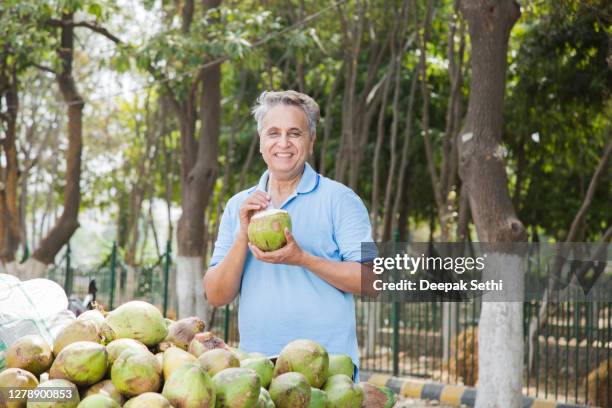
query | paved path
(412,403)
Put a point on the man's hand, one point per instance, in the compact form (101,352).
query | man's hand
(255,202)
(290,254)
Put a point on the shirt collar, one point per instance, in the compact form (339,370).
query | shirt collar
(308,182)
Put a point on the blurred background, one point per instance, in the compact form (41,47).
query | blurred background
(126,127)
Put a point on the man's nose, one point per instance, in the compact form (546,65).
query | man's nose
(284,139)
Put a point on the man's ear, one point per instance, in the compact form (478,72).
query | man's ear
(313,139)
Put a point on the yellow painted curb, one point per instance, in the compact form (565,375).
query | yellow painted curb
(451,394)
(379,379)
(412,389)
(543,404)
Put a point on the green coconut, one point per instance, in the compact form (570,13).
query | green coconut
(138,320)
(83,363)
(175,357)
(135,372)
(107,388)
(32,353)
(240,355)
(95,316)
(116,347)
(98,401)
(262,366)
(181,332)
(15,378)
(190,386)
(77,330)
(216,360)
(237,388)
(306,357)
(202,342)
(375,396)
(342,392)
(290,390)
(264,401)
(148,400)
(340,364)
(70,389)
(267,229)
(318,398)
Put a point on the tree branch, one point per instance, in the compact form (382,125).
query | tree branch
(571,235)
(92,25)
(44,68)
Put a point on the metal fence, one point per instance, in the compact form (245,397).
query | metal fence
(117,282)
(575,343)
(572,359)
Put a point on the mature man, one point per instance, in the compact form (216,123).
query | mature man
(305,289)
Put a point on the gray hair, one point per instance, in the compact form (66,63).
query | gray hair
(269,99)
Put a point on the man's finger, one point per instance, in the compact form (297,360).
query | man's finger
(288,235)
(254,250)
(254,206)
(259,203)
(261,197)
(258,253)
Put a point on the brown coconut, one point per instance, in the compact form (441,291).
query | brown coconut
(180,333)
(203,342)
(32,353)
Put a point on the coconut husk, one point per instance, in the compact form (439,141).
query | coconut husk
(464,356)
(598,380)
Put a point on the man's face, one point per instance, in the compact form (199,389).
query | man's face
(285,142)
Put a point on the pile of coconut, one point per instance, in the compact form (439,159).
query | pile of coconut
(134,357)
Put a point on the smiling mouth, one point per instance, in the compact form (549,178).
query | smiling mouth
(283,155)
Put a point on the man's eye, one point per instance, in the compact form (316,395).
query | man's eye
(273,134)
(295,134)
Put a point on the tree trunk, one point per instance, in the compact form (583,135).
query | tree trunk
(482,170)
(352,39)
(68,221)
(401,194)
(9,210)
(197,186)
(380,135)
(142,185)
(327,124)
(247,163)
(400,48)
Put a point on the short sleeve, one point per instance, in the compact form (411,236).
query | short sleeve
(225,237)
(352,228)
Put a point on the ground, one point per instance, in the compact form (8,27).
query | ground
(412,403)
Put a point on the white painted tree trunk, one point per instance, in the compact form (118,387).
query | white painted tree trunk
(31,269)
(189,290)
(12,268)
(372,317)
(500,337)
(130,286)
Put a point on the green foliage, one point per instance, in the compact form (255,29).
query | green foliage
(176,56)
(558,88)
(558,112)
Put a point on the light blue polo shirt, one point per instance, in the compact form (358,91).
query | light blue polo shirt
(280,303)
